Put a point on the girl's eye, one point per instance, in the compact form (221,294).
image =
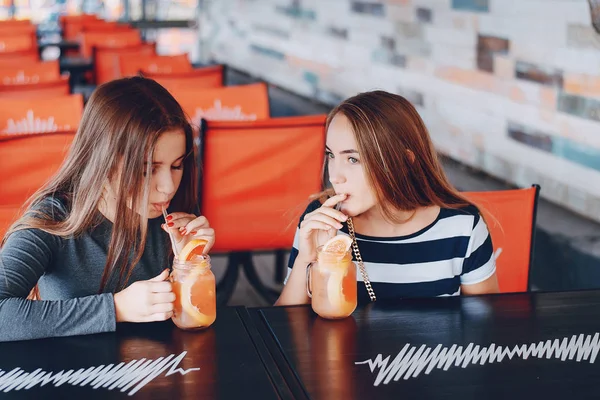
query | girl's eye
(352,160)
(174,167)
(329,154)
(153,171)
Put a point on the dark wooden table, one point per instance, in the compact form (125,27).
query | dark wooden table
(386,352)
(229,363)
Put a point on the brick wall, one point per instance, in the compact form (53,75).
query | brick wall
(511,87)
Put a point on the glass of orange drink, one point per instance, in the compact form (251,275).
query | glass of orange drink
(331,281)
(195,305)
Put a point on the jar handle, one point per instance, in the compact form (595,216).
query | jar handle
(308,280)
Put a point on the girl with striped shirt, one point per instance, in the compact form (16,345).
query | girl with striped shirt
(417,235)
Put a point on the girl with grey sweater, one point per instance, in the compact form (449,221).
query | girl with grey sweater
(90,249)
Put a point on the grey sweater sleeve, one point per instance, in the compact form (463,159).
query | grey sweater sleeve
(24,258)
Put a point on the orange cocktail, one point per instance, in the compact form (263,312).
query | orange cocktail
(195,305)
(332,281)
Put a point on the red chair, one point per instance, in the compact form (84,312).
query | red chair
(116,39)
(72,25)
(205,77)
(133,64)
(228,103)
(57,88)
(12,43)
(40,115)
(104,26)
(256,179)
(18,29)
(24,171)
(41,72)
(15,23)
(18,58)
(8,215)
(106,59)
(510,216)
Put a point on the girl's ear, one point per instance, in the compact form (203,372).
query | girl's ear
(411,156)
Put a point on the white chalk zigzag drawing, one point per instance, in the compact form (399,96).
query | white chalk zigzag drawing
(131,376)
(411,361)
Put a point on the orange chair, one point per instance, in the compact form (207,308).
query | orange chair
(131,65)
(10,43)
(255,183)
(72,25)
(17,27)
(228,103)
(18,58)
(88,40)
(25,170)
(40,115)
(206,77)
(510,216)
(20,30)
(104,26)
(48,71)
(8,215)
(57,88)
(106,60)
(15,23)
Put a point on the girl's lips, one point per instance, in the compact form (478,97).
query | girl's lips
(339,205)
(160,206)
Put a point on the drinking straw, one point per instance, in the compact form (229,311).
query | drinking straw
(170,234)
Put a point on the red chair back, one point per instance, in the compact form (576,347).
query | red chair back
(510,216)
(257,177)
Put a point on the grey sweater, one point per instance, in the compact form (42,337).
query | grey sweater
(68,271)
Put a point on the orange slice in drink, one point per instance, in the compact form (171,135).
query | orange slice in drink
(338,244)
(337,287)
(195,247)
(191,302)
(334,289)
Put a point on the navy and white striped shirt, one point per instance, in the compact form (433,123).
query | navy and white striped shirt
(456,249)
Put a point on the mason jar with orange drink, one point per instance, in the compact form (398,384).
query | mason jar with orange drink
(195,305)
(331,280)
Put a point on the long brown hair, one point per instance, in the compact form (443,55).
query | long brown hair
(121,124)
(397,153)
